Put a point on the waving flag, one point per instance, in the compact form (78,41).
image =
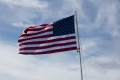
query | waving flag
(58,36)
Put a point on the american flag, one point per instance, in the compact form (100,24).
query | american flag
(56,37)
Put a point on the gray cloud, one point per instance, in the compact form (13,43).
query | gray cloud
(99,34)
(90,10)
(21,11)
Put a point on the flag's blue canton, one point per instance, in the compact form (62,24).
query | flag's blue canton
(64,26)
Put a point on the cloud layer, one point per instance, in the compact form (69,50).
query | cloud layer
(99,27)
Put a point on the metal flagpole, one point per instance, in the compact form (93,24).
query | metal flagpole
(78,45)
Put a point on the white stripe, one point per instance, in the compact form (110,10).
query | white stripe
(31,32)
(49,49)
(48,44)
(42,34)
(49,38)
(33,27)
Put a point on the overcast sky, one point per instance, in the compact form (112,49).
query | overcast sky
(99,28)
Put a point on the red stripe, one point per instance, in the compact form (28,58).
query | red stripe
(46,25)
(35,29)
(49,46)
(48,30)
(44,36)
(48,41)
(48,52)
(43,25)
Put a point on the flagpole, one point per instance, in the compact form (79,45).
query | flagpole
(78,45)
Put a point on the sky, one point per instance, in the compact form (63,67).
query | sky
(99,30)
